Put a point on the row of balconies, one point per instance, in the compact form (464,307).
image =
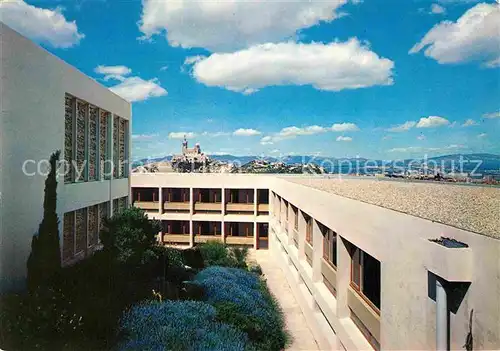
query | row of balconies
(235,233)
(217,207)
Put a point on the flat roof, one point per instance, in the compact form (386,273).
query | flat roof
(471,208)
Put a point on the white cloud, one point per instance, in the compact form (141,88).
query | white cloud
(402,127)
(136,89)
(293,131)
(469,123)
(143,137)
(332,67)
(130,88)
(411,149)
(267,140)
(473,37)
(386,137)
(421,137)
(343,138)
(432,121)
(437,9)
(40,24)
(344,127)
(163,68)
(235,24)
(246,132)
(215,134)
(482,135)
(181,135)
(492,115)
(113,72)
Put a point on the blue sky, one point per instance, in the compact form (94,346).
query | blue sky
(379,79)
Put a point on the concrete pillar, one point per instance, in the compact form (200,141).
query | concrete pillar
(255,202)
(442,315)
(343,277)
(160,201)
(191,206)
(223,212)
(255,236)
(317,237)
(302,236)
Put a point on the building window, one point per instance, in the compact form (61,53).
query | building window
(103,214)
(365,277)
(121,141)
(81,230)
(68,236)
(93,120)
(329,245)
(116,206)
(81,144)
(103,145)
(68,137)
(116,149)
(93,232)
(309,229)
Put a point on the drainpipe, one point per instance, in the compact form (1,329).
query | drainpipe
(441,317)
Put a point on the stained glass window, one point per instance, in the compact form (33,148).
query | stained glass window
(103,213)
(103,144)
(116,151)
(93,116)
(93,225)
(116,206)
(122,147)
(81,230)
(68,138)
(68,236)
(81,116)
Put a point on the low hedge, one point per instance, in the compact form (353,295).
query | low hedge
(179,325)
(243,300)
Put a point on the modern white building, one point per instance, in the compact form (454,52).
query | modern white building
(357,253)
(48,105)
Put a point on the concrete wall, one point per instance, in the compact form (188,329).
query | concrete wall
(399,242)
(34,84)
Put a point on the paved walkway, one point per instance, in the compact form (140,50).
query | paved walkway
(302,338)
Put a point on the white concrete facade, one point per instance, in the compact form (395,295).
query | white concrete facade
(406,317)
(32,126)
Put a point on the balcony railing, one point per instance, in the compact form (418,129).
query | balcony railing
(207,206)
(239,240)
(147,205)
(177,238)
(176,206)
(205,238)
(263,207)
(308,251)
(236,207)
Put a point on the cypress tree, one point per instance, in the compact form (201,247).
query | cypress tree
(44,261)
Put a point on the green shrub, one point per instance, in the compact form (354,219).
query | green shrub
(255,268)
(44,319)
(130,237)
(178,325)
(215,253)
(44,260)
(243,300)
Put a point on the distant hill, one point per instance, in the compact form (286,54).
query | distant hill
(483,163)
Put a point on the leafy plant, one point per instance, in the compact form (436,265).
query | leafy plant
(242,300)
(178,325)
(44,260)
(215,253)
(130,237)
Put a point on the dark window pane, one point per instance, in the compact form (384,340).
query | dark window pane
(356,267)
(371,279)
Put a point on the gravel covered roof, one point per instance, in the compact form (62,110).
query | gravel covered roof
(468,207)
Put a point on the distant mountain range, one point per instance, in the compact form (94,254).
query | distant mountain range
(477,162)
